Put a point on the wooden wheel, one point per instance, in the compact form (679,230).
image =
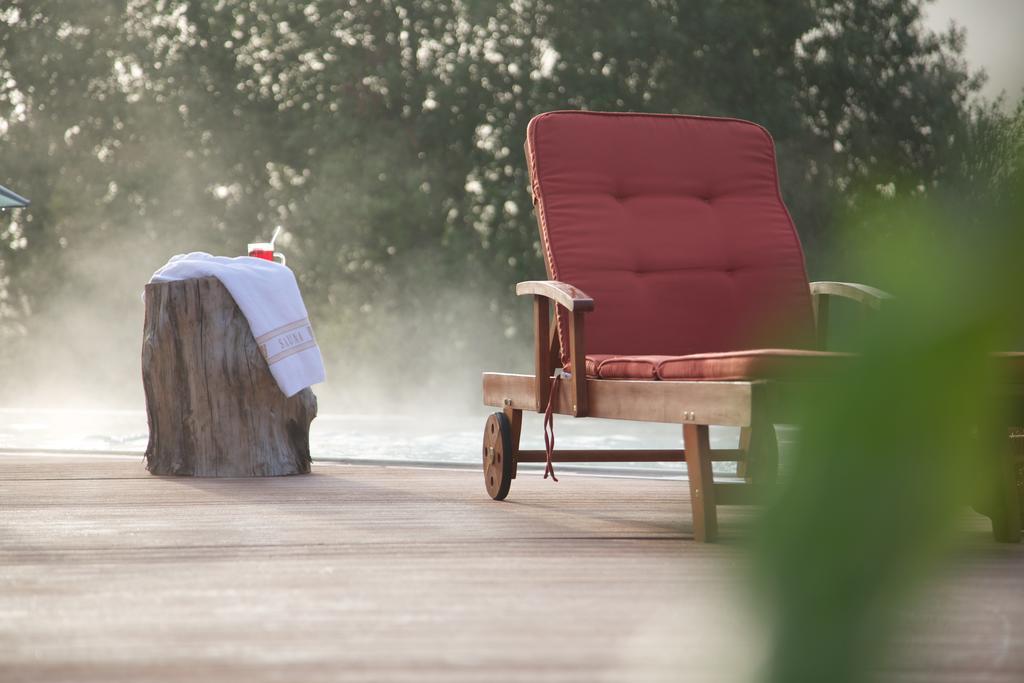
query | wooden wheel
(498,456)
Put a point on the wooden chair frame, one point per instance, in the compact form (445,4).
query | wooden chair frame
(754,406)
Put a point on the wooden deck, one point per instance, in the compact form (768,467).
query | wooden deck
(373,573)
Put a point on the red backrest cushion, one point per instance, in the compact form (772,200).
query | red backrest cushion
(675,226)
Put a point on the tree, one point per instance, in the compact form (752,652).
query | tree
(385,137)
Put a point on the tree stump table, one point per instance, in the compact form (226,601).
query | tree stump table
(214,409)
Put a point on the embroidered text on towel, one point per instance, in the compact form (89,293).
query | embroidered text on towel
(286,340)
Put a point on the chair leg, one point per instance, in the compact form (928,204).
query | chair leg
(743,466)
(762,451)
(1007,507)
(702,486)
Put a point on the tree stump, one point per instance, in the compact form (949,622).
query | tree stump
(213,407)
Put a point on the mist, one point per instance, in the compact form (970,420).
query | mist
(386,140)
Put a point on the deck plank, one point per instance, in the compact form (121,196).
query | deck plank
(374,573)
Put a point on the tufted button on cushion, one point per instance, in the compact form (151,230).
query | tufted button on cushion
(674,225)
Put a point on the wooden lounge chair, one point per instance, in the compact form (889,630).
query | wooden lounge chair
(668,236)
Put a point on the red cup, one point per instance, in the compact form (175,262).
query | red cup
(265,251)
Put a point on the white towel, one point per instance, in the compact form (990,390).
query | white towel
(269,297)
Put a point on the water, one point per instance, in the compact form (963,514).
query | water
(438,440)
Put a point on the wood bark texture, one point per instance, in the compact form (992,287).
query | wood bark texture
(213,407)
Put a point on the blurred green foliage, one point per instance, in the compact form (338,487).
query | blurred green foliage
(891,454)
(385,136)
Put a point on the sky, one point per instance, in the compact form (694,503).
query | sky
(994,40)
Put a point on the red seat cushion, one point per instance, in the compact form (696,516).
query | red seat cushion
(675,226)
(778,364)
(628,367)
(592,363)
(791,364)
(1010,365)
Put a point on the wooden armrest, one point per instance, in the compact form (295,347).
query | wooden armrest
(863,294)
(545,344)
(868,297)
(559,292)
